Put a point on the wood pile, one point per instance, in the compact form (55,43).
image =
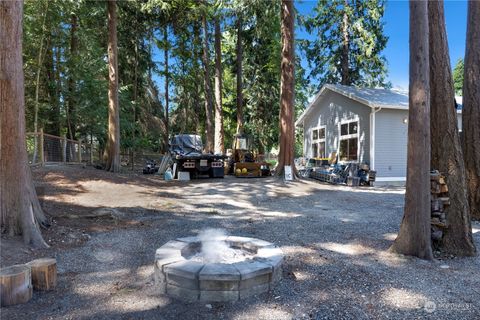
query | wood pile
(439,200)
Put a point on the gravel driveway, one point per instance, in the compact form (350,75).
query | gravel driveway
(335,240)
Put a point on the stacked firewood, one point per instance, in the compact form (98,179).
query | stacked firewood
(440,200)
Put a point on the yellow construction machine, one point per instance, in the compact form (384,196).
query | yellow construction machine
(243,162)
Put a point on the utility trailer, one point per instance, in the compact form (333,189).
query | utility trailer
(188,156)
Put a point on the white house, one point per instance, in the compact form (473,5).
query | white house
(361,125)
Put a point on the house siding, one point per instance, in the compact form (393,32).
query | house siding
(390,151)
(330,111)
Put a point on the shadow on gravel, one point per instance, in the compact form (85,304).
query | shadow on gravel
(335,241)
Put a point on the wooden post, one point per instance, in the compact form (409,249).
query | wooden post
(15,285)
(91,154)
(44,273)
(64,149)
(80,151)
(41,143)
(132,157)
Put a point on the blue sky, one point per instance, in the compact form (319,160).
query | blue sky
(396,28)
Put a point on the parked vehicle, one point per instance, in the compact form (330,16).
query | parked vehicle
(188,156)
(150,167)
(244,163)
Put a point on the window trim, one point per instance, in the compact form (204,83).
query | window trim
(319,140)
(349,136)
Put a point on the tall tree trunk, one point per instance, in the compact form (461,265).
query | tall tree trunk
(20,211)
(219,138)
(446,150)
(52,126)
(208,88)
(55,117)
(113,144)
(239,49)
(135,97)
(71,108)
(37,85)
(287,89)
(165,40)
(414,235)
(345,47)
(196,93)
(51,64)
(471,108)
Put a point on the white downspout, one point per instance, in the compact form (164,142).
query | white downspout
(372,137)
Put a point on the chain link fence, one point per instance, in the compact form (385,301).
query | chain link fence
(45,148)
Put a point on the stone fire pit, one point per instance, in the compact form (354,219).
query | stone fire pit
(180,274)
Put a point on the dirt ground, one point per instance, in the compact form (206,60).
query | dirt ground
(106,228)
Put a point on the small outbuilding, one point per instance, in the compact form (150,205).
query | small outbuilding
(361,125)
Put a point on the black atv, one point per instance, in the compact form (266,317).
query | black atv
(150,167)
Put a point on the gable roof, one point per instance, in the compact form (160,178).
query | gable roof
(373,98)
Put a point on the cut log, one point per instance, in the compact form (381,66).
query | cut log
(443,188)
(441,180)
(434,187)
(437,205)
(439,224)
(15,285)
(437,214)
(44,273)
(445,200)
(437,234)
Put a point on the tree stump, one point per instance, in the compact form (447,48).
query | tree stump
(44,273)
(15,285)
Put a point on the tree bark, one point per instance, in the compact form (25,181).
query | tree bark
(208,89)
(219,132)
(414,235)
(239,52)
(471,108)
(345,47)
(113,144)
(20,210)
(287,87)
(446,152)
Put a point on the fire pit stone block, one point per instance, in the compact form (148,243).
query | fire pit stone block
(182,293)
(219,296)
(219,277)
(183,274)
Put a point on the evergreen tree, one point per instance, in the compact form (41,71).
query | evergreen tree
(446,150)
(471,108)
(458,77)
(349,41)
(414,234)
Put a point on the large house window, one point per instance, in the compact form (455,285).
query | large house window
(318,142)
(349,141)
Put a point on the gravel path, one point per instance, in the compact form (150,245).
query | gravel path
(335,240)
